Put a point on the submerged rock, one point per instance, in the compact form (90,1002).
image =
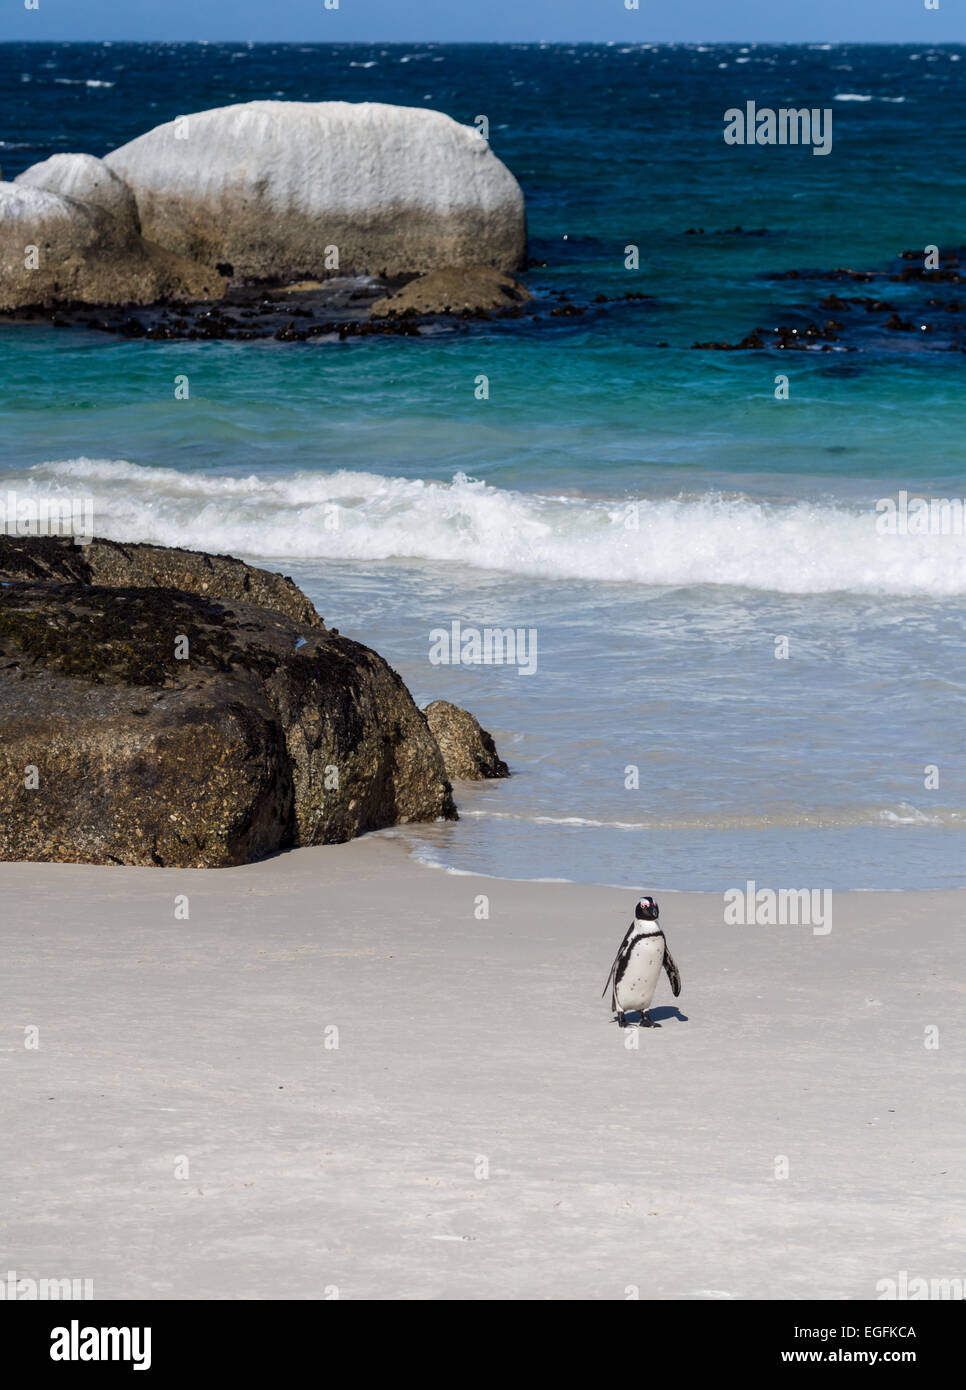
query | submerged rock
(152,725)
(271,187)
(454,291)
(468,750)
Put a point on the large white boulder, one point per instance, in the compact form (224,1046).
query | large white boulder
(59,250)
(270,186)
(88,180)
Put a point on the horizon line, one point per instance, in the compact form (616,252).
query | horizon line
(514,43)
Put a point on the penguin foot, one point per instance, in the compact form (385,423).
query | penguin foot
(622,1020)
(646,1021)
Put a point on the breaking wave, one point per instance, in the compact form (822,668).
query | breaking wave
(788,547)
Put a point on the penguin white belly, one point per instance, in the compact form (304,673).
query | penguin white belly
(639,981)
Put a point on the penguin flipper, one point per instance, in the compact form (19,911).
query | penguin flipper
(617,961)
(610,977)
(673,974)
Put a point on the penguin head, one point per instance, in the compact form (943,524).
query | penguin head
(647,910)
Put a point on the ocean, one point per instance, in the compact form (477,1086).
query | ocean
(737,676)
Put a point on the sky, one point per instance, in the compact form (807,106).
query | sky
(492,21)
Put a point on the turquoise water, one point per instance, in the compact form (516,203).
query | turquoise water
(652,512)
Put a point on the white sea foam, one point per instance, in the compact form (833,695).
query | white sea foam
(794,547)
(830,818)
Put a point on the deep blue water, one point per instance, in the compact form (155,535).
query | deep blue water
(754,518)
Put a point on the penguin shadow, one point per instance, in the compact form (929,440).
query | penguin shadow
(658,1016)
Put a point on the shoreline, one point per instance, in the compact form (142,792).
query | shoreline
(735,588)
(415,856)
(466,1045)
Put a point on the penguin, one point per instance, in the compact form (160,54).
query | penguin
(634,975)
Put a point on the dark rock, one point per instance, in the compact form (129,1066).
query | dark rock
(468,750)
(274,732)
(153,566)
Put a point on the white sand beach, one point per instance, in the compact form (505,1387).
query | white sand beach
(483,1130)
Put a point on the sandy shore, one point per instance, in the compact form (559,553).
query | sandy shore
(469,1046)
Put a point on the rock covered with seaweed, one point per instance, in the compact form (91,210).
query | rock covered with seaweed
(203,725)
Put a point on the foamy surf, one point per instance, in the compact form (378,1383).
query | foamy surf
(732,541)
(828,818)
